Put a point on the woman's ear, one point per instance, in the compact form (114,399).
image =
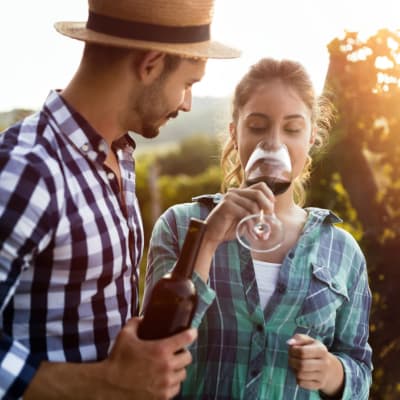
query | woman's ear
(313,135)
(150,66)
(232,133)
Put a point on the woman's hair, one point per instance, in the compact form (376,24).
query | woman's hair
(294,75)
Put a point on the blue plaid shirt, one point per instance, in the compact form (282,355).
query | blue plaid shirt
(241,351)
(69,246)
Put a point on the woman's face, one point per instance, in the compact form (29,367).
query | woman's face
(277,114)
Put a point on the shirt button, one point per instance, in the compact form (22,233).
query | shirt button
(85,147)
(281,288)
(102,147)
(291,255)
(92,155)
(110,176)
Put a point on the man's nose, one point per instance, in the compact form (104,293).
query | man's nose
(187,101)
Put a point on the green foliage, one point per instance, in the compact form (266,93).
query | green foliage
(365,76)
(143,166)
(175,176)
(182,188)
(11,117)
(330,193)
(193,156)
(359,178)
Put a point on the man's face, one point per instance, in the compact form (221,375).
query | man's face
(169,94)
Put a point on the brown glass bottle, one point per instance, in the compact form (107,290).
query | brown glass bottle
(173,300)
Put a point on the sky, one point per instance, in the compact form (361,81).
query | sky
(34,58)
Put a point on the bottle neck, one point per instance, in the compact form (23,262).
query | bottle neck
(185,265)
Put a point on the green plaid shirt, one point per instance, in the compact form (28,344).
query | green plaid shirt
(241,351)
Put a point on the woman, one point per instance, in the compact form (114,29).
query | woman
(291,323)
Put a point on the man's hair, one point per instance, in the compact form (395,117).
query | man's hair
(99,54)
(171,63)
(102,55)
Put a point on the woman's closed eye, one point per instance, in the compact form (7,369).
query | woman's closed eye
(292,130)
(293,127)
(258,128)
(294,123)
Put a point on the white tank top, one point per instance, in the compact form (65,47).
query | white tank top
(267,277)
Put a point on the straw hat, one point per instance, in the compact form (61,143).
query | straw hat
(179,27)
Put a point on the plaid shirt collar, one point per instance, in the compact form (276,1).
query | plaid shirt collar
(79,132)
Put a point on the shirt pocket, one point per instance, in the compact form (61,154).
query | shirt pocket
(325,295)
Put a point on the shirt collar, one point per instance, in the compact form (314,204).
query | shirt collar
(79,132)
(210,200)
(318,216)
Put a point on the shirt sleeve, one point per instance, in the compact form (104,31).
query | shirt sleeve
(18,367)
(351,339)
(165,245)
(24,199)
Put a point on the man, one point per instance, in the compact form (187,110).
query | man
(70,227)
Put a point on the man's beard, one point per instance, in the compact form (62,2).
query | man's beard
(151,109)
(150,131)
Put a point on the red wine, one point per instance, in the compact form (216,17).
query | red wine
(278,186)
(173,300)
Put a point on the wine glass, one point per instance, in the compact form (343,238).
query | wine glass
(269,163)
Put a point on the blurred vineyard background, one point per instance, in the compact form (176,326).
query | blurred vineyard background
(358,176)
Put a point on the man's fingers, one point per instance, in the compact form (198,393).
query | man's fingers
(179,341)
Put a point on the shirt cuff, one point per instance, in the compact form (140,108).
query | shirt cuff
(356,385)
(206,296)
(17,368)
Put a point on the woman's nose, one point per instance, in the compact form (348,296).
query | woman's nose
(272,140)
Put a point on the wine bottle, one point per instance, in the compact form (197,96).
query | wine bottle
(173,300)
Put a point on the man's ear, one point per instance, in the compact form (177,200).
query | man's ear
(150,66)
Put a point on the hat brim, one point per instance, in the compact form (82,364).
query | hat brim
(208,49)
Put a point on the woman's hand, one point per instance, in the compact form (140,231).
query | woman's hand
(236,204)
(315,367)
(224,218)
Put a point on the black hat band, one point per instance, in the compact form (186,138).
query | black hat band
(147,32)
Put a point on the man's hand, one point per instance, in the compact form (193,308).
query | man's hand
(135,369)
(149,369)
